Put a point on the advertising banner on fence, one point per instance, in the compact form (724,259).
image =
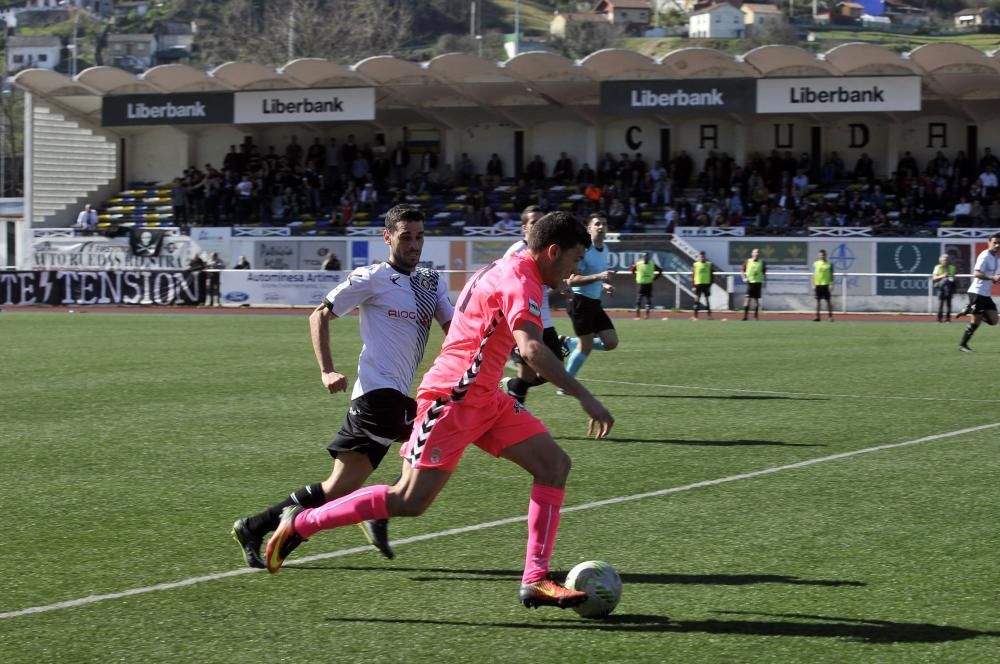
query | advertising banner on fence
(81,288)
(847,256)
(172,253)
(779,257)
(838,94)
(312,105)
(278,287)
(916,258)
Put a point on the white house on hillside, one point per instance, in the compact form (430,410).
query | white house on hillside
(39,51)
(976,16)
(721,21)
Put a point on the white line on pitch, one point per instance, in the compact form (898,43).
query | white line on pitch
(92,599)
(743,390)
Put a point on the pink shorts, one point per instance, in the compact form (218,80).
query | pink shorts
(443,429)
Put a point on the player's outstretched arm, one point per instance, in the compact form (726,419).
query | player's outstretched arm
(528,338)
(319,332)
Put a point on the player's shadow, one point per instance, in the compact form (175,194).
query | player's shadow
(740,442)
(856,629)
(727,397)
(452,574)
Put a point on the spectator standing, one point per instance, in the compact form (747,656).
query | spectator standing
(944,279)
(196,268)
(213,278)
(86,221)
(494,171)
(658,185)
(369,198)
(563,171)
(399,162)
(316,154)
(244,198)
(293,153)
(331,263)
(242,264)
(465,170)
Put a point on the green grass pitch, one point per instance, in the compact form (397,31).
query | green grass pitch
(129,443)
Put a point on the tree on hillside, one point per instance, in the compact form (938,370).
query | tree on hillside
(583,38)
(268,33)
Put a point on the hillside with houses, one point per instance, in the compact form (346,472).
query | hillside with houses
(71,35)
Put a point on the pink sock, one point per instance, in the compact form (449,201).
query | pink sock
(366,503)
(543,524)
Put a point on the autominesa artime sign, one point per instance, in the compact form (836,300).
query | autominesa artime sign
(307,105)
(838,94)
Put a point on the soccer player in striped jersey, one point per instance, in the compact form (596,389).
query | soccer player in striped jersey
(398,301)
(459,404)
(981,304)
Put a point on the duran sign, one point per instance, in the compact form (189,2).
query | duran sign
(668,97)
(839,94)
(184,108)
(319,105)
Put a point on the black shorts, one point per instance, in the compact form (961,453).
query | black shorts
(551,340)
(981,303)
(373,422)
(945,290)
(702,289)
(753,290)
(643,291)
(822,292)
(588,316)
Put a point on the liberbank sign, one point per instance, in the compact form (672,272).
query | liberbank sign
(668,97)
(847,94)
(259,107)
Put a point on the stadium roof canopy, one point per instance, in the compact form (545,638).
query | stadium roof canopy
(532,85)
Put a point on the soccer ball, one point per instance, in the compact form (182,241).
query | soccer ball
(601,583)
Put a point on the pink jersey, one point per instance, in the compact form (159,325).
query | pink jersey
(494,301)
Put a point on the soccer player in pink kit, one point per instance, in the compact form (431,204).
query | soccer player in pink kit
(459,404)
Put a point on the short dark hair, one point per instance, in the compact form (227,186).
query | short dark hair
(597,215)
(560,228)
(398,213)
(531,209)
(995,236)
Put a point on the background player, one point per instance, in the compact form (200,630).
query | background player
(526,377)
(754,272)
(702,273)
(645,271)
(981,304)
(822,282)
(591,324)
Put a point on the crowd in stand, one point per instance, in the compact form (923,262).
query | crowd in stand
(778,193)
